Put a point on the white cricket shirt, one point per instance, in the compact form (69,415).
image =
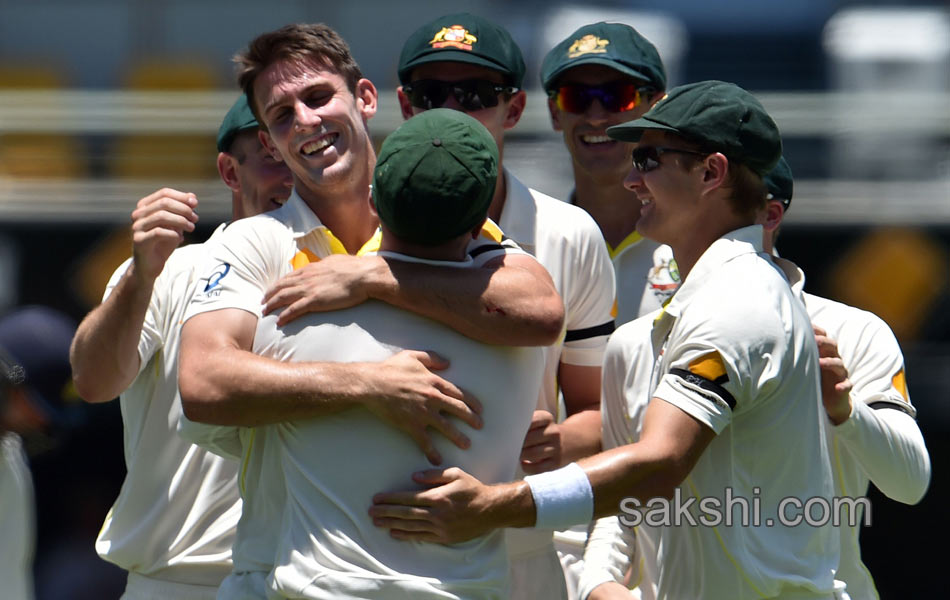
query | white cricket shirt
(880,441)
(333,465)
(735,350)
(246,258)
(175,515)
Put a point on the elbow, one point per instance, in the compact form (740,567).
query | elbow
(91,389)
(913,490)
(549,321)
(199,401)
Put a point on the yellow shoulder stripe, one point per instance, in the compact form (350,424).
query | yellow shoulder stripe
(708,366)
(613,309)
(900,384)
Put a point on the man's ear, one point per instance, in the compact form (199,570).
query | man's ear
(515,109)
(227,169)
(268,143)
(405,106)
(553,111)
(716,169)
(366,98)
(774,213)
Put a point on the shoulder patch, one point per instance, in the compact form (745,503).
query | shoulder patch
(709,366)
(900,384)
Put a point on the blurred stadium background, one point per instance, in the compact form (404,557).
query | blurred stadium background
(104,101)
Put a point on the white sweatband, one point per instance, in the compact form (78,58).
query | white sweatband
(562,497)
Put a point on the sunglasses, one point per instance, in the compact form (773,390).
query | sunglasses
(647,158)
(471,94)
(617,96)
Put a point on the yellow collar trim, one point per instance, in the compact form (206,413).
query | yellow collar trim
(628,241)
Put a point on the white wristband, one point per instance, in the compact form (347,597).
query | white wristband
(562,497)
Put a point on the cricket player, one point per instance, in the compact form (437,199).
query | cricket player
(172,525)
(313,105)
(735,406)
(601,75)
(873,435)
(432,187)
(604,74)
(464,62)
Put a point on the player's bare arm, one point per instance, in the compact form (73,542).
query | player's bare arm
(457,507)
(104,353)
(610,590)
(548,444)
(510,300)
(835,385)
(223,383)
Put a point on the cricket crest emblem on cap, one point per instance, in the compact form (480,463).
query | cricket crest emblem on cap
(455,36)
(589,44)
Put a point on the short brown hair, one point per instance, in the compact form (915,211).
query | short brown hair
(748,195)
(748,192)
(298,42)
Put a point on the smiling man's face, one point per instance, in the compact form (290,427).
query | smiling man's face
(313,121)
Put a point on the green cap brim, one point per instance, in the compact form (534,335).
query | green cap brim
(632,131)
(594,60)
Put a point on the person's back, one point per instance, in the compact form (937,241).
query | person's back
(335,464)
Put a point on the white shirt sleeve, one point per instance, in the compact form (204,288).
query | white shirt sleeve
(881,432)
(890,448)
(611,549)
(219,439)
(591,302)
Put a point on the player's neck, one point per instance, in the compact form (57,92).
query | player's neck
(498,200)
(344,208)
(615,208)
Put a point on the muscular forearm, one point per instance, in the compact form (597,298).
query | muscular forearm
(580,435)
(890,448)
(508,305)
(104,353)
(231,386)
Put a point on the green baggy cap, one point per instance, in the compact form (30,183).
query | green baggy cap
(238,119)
(720,116)
(463,37)
(613,45)
(779,183)
(435,177)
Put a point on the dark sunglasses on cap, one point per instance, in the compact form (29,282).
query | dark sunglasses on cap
(647,158)
(471,94)
(617,96)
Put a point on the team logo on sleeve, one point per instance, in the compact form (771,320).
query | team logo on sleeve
(215,278)
(708,372)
